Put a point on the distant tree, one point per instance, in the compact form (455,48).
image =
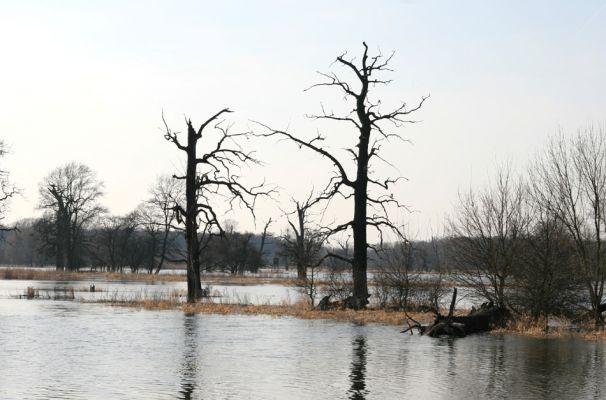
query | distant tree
(301,243)
(114,245)
(21,245)
(370,129)
(395,276)
(7,190)
(236,251)
(45,231)
(213,173)
(71,192)
(264,235)
(156,217)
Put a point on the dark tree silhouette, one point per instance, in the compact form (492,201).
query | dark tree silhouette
(236,252)
(370,127)
(71,193)
(211,173)
(264,237)
(7,191)
(114,240)
(301,243)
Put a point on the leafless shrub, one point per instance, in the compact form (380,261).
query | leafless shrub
(395,278)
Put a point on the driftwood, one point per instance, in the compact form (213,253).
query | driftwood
(481,320)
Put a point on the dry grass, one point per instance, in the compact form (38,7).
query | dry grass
(524,325)
(558,327)
(298,310)
(143,300)
(304,312)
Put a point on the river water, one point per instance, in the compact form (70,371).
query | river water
(71,350)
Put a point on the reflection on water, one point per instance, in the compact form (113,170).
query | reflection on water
(358,370)
(54,350)
(189,366)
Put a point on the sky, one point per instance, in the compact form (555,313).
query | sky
(89,81)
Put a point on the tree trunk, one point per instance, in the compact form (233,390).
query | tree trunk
(301,271)
(163,253)
(194,287)
(60,243)
(360,242)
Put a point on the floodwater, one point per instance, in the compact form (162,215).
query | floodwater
(71,350)
(272,294)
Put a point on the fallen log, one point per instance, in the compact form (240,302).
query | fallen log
(482,320)
(451,329)
(446,326)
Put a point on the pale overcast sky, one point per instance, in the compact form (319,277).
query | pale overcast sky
(87,81)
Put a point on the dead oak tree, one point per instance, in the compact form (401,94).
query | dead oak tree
(215,172)
(371,128)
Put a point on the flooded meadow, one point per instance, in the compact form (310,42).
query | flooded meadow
(70,349)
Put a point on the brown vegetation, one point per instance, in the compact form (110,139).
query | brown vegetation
(558,327)
(299,310)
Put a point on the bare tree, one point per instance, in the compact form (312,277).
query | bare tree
(301,243)
(395,276)
(113,242)
(212,173)
(156,217)
(435,286)
(487,234)
(264,237)
(71,192)
(569,180)
(545,278)
(370,128)
(7,190)
(236,252)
